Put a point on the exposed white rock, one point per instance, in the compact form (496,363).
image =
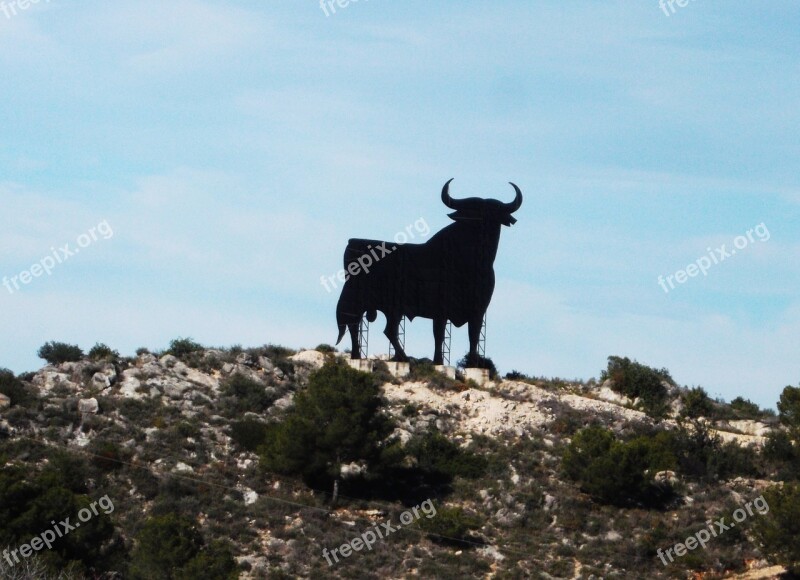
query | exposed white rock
(168,361)
(749,427)
(88,406)
(313,358)
(101,381)
(605,393)
(48,379)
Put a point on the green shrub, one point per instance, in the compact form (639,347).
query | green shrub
(14,389)
(782,455)
(437,455)
(636,380)
(249,434)
(789,411)
(107,455)
(326,348)
(183,347)
(423,370)
(480,362)
(215,561)
(702,454)
(102,352)
(170,547)
(336,420)
(243,394)
(615,472)
(29,501)
(59,352)
(779,529)
(698,404)
(279,355)
(450,525)
(747,409)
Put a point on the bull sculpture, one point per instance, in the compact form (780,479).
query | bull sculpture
(449,277)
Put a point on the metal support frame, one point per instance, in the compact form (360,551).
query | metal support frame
(363,337)
(448,336)
(482,341)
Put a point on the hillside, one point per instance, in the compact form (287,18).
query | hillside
(186,444)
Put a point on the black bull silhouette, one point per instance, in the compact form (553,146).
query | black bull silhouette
(450,277)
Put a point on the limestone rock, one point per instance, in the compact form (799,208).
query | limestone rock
(88,406)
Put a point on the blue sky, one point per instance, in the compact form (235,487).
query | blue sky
(234,147)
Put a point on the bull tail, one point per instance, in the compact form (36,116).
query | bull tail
(343,320)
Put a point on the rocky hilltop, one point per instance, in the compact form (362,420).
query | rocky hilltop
(166,435)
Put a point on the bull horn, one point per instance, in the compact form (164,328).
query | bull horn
(517,203)
(446,199)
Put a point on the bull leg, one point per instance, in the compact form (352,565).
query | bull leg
(355,351)
(439,325)
(391,330)
(475,323)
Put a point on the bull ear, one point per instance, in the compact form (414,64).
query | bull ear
(465,215)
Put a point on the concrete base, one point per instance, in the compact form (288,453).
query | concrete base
(449,372)
(361,364)
(399,370)
(480,376)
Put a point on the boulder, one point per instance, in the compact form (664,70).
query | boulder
(606,393)
(130,384)
(88,406)
(313,358)
(100,381)
(168,361)
(266,364)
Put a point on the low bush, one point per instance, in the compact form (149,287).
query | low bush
(249,434)
(451,525)
(336,420)
(14,389)
(241,394)
(183,347)
(616,472)
(102,352)
(636,380)
(436,455)
(480,362)
(779,529)
(697,404)
(60,352)
(171,547)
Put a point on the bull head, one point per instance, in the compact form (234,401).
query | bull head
(476,208)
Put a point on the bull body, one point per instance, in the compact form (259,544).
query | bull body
(449,277)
